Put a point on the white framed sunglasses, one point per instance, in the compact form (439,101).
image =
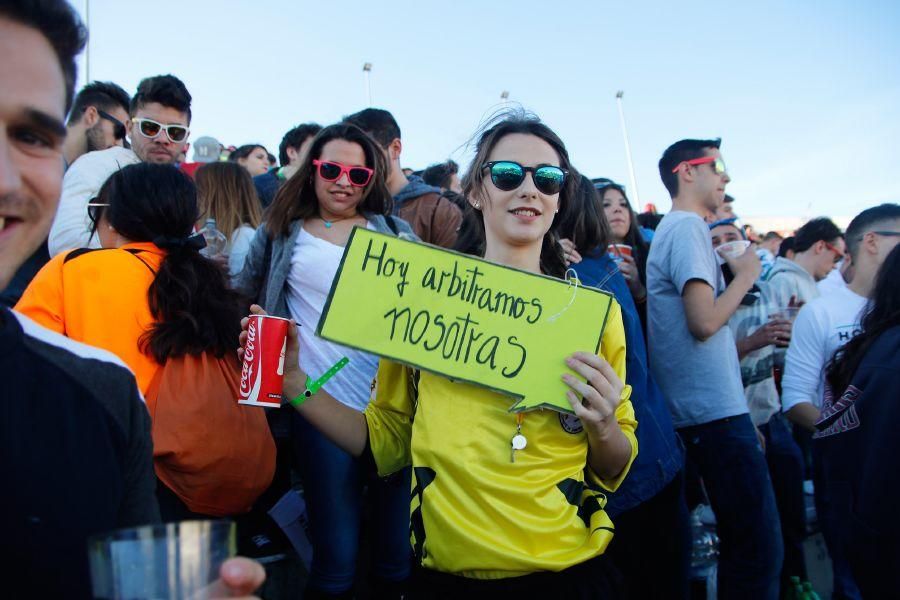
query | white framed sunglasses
(151,129)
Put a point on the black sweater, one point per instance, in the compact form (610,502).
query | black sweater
(859,444)
(75,458)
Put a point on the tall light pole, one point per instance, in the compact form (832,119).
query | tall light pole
(367,69)
(634,187)
(87,50)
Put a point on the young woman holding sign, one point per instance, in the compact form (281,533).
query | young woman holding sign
(292,261)
(503,504)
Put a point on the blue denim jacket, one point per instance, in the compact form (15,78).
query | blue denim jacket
(661,454)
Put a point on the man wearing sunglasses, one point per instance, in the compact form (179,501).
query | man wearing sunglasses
(158,126)
(694,359)
(97,120)
(434,217)
(821,327)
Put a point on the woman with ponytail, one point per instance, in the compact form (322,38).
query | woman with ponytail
(149,297)
(147,294)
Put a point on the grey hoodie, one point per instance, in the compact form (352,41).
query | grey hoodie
(785,280)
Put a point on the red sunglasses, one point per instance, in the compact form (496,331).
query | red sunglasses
(718,167)
(332,171)
(838,255)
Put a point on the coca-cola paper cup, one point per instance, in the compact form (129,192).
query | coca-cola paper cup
(617,251)
(262,375)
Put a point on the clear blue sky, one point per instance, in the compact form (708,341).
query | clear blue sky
(804,94)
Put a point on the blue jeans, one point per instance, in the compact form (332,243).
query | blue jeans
(736,477)
(333,483)
(786,470)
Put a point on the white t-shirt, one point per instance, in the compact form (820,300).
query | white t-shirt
(822,326)
(71,226)
(314,263)
(833,281)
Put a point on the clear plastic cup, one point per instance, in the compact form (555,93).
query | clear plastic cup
(788,313)
(175,560)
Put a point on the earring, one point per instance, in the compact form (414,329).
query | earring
(476,205)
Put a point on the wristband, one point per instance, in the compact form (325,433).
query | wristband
(313,386)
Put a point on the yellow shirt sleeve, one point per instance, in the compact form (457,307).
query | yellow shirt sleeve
(42,301)
(612,349)
(389,417)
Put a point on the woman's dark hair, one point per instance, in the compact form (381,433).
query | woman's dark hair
(586,225)
(194,309)
(882,313)
(245,151)
(296,199)
(640,249)
(471,239)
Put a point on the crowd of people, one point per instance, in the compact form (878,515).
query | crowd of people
(734,370)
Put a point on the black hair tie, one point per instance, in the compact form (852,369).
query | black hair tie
(193,242)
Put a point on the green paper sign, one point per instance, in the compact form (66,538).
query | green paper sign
(462,317)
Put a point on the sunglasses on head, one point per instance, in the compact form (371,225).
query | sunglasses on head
(93,211)
(151,129)
(507,175)
(718,164)
(332,171)
(118,126)
(601,183)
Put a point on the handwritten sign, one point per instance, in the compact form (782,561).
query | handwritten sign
(462,317)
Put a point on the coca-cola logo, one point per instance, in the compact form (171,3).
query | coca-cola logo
(247,369)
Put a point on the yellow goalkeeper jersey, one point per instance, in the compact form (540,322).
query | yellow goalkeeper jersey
(475,512)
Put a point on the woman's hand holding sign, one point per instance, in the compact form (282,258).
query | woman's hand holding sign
(594,401)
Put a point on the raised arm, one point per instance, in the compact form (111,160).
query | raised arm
(705,313)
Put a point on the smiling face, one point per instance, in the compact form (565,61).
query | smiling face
(159,150)
(32,110)
(522,216)
(618,213)
(339,199)
(257,162)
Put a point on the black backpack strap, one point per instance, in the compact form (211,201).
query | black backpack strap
(80,252)
(136,254)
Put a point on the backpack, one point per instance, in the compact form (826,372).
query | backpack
(217,456)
